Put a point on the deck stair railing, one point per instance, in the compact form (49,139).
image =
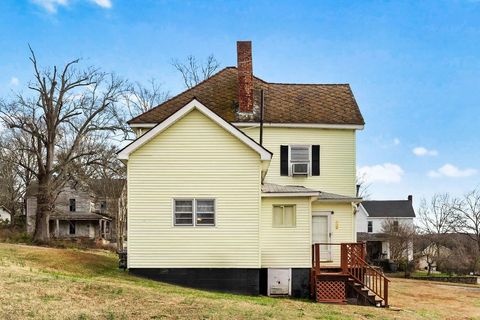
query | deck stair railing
(353,264)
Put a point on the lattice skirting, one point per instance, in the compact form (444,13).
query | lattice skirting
(330,291)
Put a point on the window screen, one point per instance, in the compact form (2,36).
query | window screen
(284,216)
(205,212)
(183,212)
(299,153)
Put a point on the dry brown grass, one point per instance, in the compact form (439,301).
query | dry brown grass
(45,283)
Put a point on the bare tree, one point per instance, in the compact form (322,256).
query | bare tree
(401,236)
(69,111)
(193,71)
(14,178)
(140,98)
(469,211)
(362,187)
(438,218)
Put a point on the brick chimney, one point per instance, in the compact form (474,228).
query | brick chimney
(410,198)
(245,76)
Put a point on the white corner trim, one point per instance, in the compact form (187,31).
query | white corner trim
(289,194)
(364,210)
(194,104)
(300,125)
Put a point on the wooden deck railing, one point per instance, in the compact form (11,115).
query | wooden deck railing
(353,264)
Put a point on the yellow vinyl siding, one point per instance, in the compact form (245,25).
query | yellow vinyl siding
(194,158)
(342,225)
(287,247)
(337,157)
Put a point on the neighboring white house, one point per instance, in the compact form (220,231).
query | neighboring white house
(372,216)
(5,215)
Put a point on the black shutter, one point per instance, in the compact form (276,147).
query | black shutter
(284,160)
(315,160)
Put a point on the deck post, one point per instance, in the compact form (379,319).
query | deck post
(317,258)
(343,258)
(385,292)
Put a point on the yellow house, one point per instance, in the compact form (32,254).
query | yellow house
(232,183)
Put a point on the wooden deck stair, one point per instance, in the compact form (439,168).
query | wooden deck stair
(354,281)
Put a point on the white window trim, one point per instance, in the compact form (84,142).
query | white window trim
(294,212)
(194,213)
(290,173)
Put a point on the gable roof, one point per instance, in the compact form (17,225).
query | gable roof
(283,103)
(179,114)
(389,209)
(99,187)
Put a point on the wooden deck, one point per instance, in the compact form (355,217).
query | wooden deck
(353,279)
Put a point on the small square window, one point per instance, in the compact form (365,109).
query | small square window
(183,212)
(205,212)
(284,216)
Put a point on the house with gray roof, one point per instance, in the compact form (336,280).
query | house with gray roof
(83,209)
(371,218)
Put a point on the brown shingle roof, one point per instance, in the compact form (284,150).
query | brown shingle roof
(284,103)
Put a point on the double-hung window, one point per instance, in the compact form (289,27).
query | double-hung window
(194,212)
(300,159)
(284,216)
(370,226)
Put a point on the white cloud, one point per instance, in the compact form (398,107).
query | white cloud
(421,152)
(14,81)
(107,4)
(396,141)
(51,5)
(387,172)
(449,170)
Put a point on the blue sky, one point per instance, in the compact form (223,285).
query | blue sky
(414,66)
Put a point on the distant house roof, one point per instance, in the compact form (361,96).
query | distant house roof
(78,216)
(389,208)
(283,103)
(99,187)
(111,188)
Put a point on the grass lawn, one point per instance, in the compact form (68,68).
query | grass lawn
(46,283)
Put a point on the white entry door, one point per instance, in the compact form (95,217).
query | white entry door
(321,234)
